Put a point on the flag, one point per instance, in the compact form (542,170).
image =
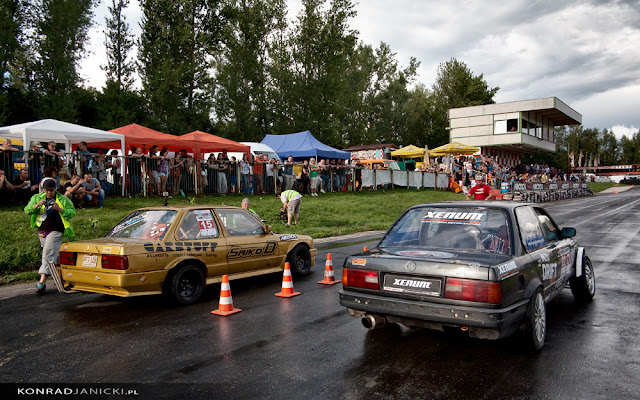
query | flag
(572,157)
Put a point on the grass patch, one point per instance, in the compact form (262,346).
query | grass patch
(328,215)
(600,186)
(20,277)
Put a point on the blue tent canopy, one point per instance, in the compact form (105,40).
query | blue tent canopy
(302,145)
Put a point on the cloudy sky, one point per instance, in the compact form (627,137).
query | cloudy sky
(586,53)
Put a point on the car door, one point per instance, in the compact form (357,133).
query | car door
(535,244)
(198,235)
(561,248)
(249,247)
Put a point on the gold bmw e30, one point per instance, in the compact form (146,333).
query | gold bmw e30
(178,250)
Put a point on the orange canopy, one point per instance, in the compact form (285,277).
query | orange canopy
(140,136)
(205,143)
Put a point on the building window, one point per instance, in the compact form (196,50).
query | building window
(505,126)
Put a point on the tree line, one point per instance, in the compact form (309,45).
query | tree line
(240,69)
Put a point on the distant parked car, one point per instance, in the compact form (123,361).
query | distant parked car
(487,268)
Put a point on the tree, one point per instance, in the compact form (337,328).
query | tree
(455,87)
(119,104)
(11,19)
(178,37)
(61,33)
(243,101)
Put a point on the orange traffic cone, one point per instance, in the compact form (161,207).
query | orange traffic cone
(328,272)
(364,248)
(225,307)
(287,283)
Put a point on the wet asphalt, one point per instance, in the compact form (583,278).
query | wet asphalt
(308,347)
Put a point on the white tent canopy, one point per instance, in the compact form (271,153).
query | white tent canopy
(58,131)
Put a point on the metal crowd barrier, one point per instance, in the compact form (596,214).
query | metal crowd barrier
(542,192)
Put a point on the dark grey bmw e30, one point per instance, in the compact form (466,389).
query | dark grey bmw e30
(488,268)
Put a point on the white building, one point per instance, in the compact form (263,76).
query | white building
(506,131)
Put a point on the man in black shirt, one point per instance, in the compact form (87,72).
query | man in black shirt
(24,188)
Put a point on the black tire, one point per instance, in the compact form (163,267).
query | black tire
(300,260)
(185,284)
(536,321)
(583,287)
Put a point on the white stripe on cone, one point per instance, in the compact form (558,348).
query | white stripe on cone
(287,285)
(226,300)
(225,286)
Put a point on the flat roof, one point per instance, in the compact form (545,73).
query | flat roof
(551,108)
(370,147)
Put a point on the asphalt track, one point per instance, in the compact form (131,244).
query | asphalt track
(308,347)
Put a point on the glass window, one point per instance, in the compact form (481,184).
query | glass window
(530,231)
(500,127)
(144,224)
(198,224)
(240,223)
(551,232)
(451,228)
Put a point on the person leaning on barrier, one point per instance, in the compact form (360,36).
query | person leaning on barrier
(50,212)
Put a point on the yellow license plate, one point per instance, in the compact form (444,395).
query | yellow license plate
(89,261)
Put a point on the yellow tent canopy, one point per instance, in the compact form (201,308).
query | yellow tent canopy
(453,148)
(410,151)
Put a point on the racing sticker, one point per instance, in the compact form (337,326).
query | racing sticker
(205,223)
(288,237)
(252,251)
(549,271)
(359,261)
(507,269)
(400,284)
(453,217)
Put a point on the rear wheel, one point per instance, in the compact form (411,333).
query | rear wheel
(583,287)
(185,285)
(536,321)
(300,260)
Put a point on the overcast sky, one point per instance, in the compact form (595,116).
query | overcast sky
(586,53)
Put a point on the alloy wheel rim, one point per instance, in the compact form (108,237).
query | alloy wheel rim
(590,279)
(539,318)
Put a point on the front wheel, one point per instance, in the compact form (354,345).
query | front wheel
(583,287)
(300,260)
(185,285)
(536,321)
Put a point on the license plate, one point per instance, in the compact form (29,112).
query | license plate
(412,285)
(89,261)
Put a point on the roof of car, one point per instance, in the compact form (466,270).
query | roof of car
(507,205)
(189,207)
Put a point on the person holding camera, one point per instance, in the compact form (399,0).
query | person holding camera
(50,213)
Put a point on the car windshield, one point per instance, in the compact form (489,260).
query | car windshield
(144,224)
(451,228)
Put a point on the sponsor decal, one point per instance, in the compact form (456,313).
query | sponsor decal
(508,269)
(434,254)
(553,186)
(179,246)
(544,257)
(538,186)
(452,217)
(64,247)
(519,186)
(359,261)
(107,249)
(205,223)
(549,271)
(534,242)
(143,278)
(241,252)
(288,237)
(397,284)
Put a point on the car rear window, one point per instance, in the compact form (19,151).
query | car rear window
(144,224)
(451,228)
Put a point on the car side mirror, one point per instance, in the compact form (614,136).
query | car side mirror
(568,232)
(266,229)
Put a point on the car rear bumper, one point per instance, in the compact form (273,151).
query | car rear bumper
(486,323)
(117,284)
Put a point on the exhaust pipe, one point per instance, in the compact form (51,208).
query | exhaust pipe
(370,321)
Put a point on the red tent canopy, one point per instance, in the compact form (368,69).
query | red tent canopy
(206,143)
(140,136)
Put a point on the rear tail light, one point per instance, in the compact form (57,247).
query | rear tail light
(115,262)
(360,278)
(467,289)
(67,258)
